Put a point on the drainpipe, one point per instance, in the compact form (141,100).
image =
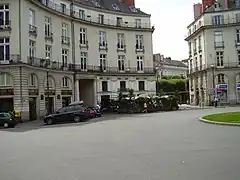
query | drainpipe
(20,50)
(73,50)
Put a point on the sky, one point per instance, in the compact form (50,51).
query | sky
(170,19)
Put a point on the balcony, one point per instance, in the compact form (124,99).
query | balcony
(121,48)
(5,25)
(139,48)
(65,40)
(48,36)
(78,68)
(199,49)
(103,46)
(83,44)
(219,44)
(237,43)
(93,20)
(32,30)
(230,21)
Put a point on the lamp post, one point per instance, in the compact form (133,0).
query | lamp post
(157,83)
(48,93)
(213,81)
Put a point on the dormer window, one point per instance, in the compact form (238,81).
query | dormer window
(133,9)
(115,7)
(96,3)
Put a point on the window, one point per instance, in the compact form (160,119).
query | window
(121,62)
(195,45)
(83,36)
(119,21)
(190,48)
(139,42)
(133,9)
(48,26)
(238,56)
(6,79)
(101,19)
(217,20)
(96,3)
(121,41)
(218,38)
(32,48)
(237,17)
(64,30)
(64,57)
(31,16)
(32,80)
(104,86)
(122,85)
(238,35)
(141,85)
(4,15)
(199,43)
(196,63)
(200,61)
(48,51)
(65,82)
(83,62)
(138,23)
(63,8)
(4,49)
(139,63)
(220,79)
(102,39)
(219,56)
(81,14)
(103,62)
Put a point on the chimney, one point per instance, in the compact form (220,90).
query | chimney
(129,2)
(197,10)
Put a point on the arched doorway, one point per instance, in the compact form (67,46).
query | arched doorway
(50,93)
(6,92)
(66,91)
(221,81)
(33,92)
(238,87)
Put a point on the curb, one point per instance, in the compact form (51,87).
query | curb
(218,123)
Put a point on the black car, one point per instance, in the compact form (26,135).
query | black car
(7,120)
(67,114)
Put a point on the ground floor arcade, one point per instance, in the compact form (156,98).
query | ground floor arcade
(31,91)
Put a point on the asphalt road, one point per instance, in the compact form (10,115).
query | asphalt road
(159,146)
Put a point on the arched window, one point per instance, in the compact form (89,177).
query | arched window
(51,82)
(6,79)
(66,82)
(33,80)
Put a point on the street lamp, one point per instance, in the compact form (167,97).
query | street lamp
(213,81)
(157,83)
(48,93)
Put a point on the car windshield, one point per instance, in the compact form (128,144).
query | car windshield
(5,115)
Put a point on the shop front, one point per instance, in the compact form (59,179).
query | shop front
(222,92)
(66,97)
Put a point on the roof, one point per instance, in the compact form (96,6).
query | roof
(112,5)
(170,62)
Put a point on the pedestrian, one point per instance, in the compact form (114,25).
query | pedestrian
(216,101)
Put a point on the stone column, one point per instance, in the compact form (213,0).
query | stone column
(94,92)
(77,93)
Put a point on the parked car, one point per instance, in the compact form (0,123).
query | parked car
(73,113)
(7,120)
(97,112)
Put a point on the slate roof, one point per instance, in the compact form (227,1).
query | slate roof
(111,5)
(170,62)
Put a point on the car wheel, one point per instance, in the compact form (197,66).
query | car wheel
(77,119)
(5,125)
(49,121)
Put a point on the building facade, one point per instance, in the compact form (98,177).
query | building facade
(165,66)
(214,56)
(56,52)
